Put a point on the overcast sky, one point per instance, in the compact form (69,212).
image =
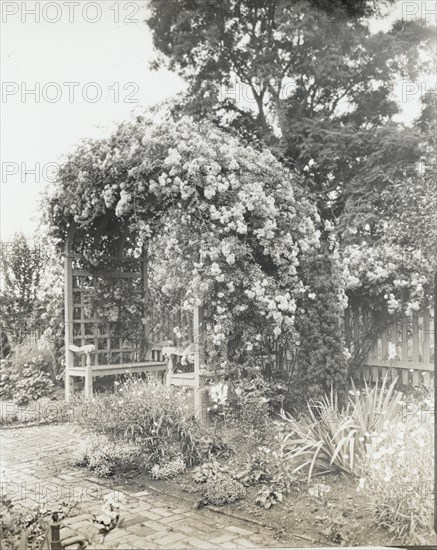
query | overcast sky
(114,56)
(100,48)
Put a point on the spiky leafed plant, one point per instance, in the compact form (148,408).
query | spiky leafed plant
(331,438)
(372,407)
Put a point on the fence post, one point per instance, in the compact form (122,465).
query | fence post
(198,361)
(435,400)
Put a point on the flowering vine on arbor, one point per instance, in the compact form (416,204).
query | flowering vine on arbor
(225,225)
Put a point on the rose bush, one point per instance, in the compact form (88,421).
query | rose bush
(229,227)
(226,225)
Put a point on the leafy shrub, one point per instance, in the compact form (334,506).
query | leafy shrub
(223,489)
(29,373)
(39,350)
(44,410)
(267,497)
(27,383)
(106,457)
(331,438)
(22,269)
(397,475)
(254,471)
(14,519)
(158,418)
(219,486)
(109,517)
(168,470)
(207,471)
(250,409)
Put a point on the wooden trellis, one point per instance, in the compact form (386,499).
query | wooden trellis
(94,346)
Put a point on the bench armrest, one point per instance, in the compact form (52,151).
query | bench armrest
(87,350)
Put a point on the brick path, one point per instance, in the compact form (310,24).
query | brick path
(34,463)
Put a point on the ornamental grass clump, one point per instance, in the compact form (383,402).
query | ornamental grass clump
(332,437)
(322,441)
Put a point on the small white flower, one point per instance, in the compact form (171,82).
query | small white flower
(361,484)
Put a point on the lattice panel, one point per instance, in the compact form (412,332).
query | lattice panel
(90,326)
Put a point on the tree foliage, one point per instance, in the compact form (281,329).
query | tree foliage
(321,85)
(314,83)
(21,269)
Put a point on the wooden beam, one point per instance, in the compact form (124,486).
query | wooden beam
(198,362)
(68,312)
(407,365)
(108,274)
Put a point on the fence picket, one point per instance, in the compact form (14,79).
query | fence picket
(356,316)
(415,337)
(413,342)
(405,322)
(426,340)
(384,354)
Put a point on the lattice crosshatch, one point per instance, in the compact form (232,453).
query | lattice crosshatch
(106,302)
(113,324)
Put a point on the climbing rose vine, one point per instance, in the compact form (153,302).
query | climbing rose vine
(226,226)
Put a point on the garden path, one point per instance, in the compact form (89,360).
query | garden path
(34,466)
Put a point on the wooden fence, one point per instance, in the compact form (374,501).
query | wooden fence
(404,349)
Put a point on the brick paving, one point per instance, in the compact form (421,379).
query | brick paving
(34,464)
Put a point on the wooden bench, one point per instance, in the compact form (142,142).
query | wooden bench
(90,371)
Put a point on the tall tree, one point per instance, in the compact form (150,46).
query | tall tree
(21,267)
(311,81)
(321,85)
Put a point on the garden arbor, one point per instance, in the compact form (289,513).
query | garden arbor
(111,324)
(163,219)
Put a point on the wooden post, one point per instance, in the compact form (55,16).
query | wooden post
(146,297)
(68,319)
(88,377)
(435,402)
(23,542)
(169,371)
(416,347)
(394,341)
(198,362)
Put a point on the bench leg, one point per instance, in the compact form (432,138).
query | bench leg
(169,372)
(69,387)
(88,383)
(200,403)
